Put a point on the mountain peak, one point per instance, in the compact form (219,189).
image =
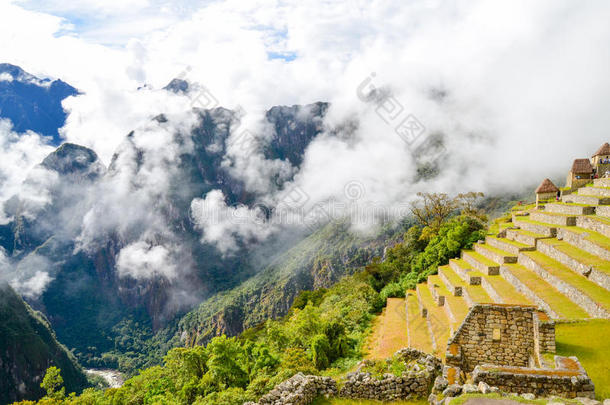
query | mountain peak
(70,158)
(178,86)
(31,103)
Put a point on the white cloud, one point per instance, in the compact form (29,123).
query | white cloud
(225,225)
(29,277)
(20,154)
(518,88)
(141,260)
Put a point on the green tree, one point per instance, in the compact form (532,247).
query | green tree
(53,383)
(320,351)
(223,364)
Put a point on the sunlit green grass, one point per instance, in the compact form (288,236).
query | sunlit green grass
(594,291)
(561,304)
(590,342)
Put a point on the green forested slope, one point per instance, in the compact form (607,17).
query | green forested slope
(27,348)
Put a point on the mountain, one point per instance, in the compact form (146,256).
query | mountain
(32,103)
(318,261)
(84,215)
(27,348)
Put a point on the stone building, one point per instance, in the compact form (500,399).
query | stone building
(505,335)
(601,160)
(580,174)
(546,191)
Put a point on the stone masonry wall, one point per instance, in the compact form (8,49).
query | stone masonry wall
(496,334)
(298,390)
(564,383)
(547,336)
(390,387)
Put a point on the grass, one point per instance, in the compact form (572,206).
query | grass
(523,207)
(589,288)
(530,233)
(509,242)
(480,258)
(457,305)
(341,401)
(418,328)
(556,214)
(588,340)
(507,291)
(592,236)
(438,320)
(498,251)
(580,255)
(478,294)
(463,264)
(452,276)
(389,330)
(597,218)
(572,204)
(558,302)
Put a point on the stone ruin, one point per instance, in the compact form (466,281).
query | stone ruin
(413,383)
(300,389)
(510,335)
(498,348)
(502,346)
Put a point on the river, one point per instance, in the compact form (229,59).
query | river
(113,377)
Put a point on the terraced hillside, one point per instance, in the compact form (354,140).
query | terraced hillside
(556,257)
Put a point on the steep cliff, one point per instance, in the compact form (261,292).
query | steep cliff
(27,348)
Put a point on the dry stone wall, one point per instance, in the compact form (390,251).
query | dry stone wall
(496,334)
(567,384)
(417,382)
(546,336)
(298,390)
(364,386)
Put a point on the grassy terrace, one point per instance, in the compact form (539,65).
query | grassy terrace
(510,242)
(531,234)
(588,341)
(530,221)
(497,251)
(476,292)
(572,204)
(457,305)
(480,258)
(603,220)
(582,256)
(418,328)
(451,275)
(389,330)
(463,264)
(439,322)
(587,287)
(523,207)
(557,214)
(506,291)
(558,302)
(592,236)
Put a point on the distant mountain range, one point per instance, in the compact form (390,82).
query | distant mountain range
(111,305)
(32,103)
(126,322)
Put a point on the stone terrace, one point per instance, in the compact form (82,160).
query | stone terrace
(556,258)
